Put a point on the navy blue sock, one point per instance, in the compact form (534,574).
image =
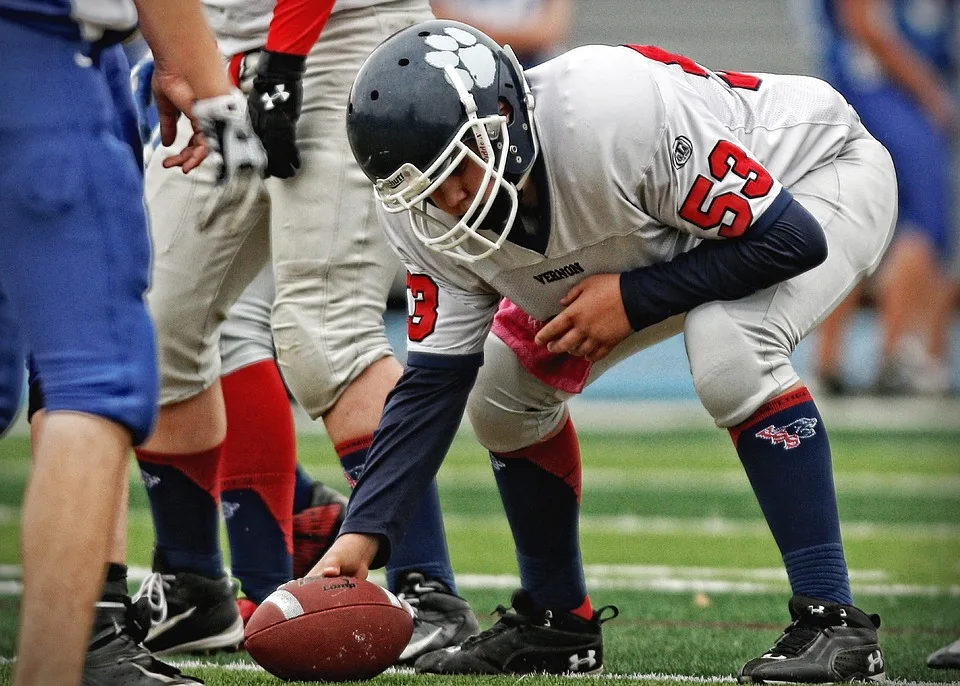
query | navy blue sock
(258,551)
(543,509)
(302,491)
(186,516)
(424,547)
(786,455)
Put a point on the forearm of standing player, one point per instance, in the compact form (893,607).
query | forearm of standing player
(774,249)
(420,419)
(296,25)
(178,34)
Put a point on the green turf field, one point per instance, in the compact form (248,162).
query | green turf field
(671,534)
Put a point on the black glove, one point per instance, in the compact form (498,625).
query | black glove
(274,104)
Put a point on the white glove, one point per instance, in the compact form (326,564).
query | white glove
(226,125)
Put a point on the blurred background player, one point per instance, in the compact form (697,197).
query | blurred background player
(74,252)
(332,272)
(895,62)
(535,29)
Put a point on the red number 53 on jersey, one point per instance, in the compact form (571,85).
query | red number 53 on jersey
(731,210)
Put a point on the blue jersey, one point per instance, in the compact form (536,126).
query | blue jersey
(929,26)
(88,19)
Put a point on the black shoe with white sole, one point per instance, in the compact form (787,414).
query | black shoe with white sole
(826,642)
(191,613)
(529,640)
(441,618)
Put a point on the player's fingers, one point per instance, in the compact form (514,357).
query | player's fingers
(330,570)
(571,295)
(553,329)
(570,342)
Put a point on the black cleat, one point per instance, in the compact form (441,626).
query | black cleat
(947,657)
(441,618)
(529,640)
(316,527)
(116,656)
(190,613)
(826,642)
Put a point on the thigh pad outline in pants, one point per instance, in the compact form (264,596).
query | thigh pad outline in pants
(511,409)
(332,265)
(739,351)
(210,242)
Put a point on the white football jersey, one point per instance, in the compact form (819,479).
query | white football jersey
(645,157)
(242,25)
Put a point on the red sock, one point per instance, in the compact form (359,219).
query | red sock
(260,453)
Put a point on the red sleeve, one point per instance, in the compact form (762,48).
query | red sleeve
(296,25)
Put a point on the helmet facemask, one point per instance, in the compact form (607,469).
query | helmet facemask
(484,141)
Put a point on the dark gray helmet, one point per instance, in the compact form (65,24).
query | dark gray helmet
(424,100)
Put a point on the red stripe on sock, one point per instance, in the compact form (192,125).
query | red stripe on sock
(260,452)
(559,455)
(352,445)
(202,468)
(781,402)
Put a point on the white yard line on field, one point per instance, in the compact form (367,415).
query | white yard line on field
(634,578)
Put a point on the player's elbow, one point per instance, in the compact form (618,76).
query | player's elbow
(798,236)
(815,247)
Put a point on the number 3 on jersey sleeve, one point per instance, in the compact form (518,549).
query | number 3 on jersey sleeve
(422,292)
(730,210)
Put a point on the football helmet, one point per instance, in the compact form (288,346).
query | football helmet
(424,101)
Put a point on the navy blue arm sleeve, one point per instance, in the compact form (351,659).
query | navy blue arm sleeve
(784,242)
(420,419)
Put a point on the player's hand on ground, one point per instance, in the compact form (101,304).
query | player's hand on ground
(593,321)
(350,555)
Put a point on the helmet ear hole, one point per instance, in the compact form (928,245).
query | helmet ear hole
(374,95)
(403,62)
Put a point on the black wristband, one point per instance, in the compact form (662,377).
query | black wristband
(281,66)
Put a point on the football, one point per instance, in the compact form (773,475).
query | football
(328,629)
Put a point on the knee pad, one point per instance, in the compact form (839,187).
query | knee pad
(735,368)
(508,408)
(319,360)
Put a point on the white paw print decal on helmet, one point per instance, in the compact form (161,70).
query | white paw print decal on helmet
(474,62)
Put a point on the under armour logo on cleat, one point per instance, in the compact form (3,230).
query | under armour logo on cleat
(875,662)
(816,609)
(280,94)
(578,663)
